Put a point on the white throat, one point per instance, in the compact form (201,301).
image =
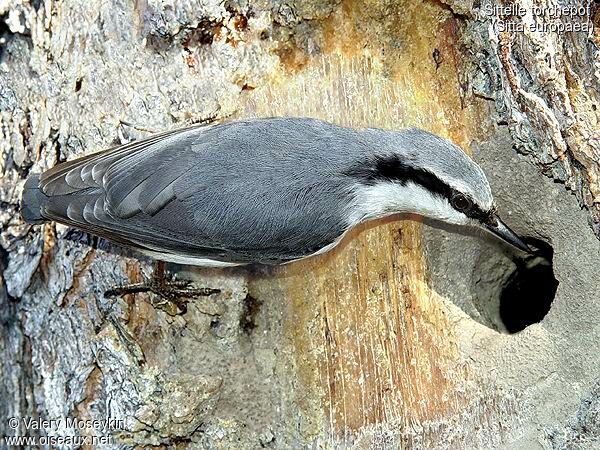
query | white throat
(386,197)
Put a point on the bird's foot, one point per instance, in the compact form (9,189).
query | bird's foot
(172,296)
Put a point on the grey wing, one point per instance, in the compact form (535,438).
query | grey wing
(180,194)
(115,193)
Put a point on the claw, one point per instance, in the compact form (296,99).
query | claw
(174,294)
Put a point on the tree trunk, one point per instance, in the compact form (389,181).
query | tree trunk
(404,336)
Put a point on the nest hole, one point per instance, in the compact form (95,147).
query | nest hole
(527,293)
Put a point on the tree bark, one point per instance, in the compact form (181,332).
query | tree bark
(396,339)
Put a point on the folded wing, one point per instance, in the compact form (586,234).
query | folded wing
(200,192)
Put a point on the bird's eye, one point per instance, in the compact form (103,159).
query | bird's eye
(461,203)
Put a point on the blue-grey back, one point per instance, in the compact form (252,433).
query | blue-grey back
(274,186)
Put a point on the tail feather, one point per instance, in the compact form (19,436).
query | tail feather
(32,201)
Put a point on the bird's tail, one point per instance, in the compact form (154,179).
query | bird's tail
(32,200)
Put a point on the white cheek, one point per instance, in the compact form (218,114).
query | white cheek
(387,198)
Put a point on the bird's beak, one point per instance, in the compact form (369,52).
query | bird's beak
(498,228)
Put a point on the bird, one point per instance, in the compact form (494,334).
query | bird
(266,191)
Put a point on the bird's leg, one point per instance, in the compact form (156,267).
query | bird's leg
(173,294)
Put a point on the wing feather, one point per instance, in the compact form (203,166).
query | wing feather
(137,179)
(69,177)
(140,176)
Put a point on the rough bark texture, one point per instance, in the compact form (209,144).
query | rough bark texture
(395,339)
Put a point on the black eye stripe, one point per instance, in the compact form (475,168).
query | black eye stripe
(392,168)
(475,212)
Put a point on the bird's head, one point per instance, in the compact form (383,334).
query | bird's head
(413,171)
